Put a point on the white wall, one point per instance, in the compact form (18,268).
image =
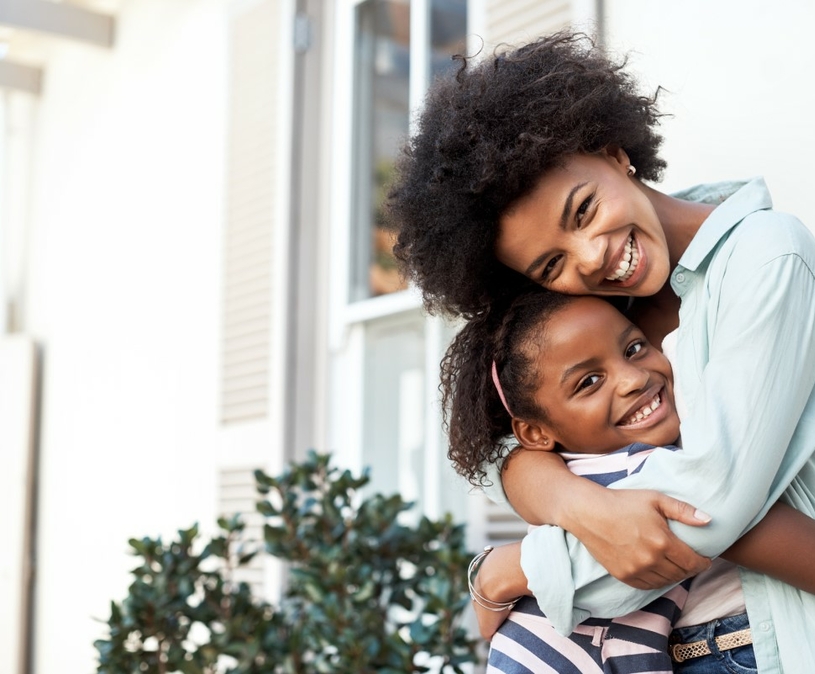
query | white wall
(738,75)
(124,295)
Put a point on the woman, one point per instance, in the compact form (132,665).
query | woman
(527,169)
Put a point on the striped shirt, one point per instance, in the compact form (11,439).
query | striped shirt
(634,643)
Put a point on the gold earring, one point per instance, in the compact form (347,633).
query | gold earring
(631,170)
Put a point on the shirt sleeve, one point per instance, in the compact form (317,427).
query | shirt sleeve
(491,482)
(740,450)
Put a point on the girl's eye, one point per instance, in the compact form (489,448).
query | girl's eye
(634,349)
(549,269)
(588,382)
(583,209)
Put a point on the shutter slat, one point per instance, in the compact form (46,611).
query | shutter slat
(244,412)
(248,382)
(246,356)
(245,398)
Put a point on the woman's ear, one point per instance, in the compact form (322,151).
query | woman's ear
(533,435)
(617,155)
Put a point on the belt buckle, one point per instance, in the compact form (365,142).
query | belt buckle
(675,654)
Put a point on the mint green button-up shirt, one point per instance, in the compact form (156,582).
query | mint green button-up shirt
(745,366)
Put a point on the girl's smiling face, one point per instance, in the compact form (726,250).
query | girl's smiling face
(587,229)
(601,384)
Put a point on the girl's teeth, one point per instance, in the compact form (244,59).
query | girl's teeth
(646,411)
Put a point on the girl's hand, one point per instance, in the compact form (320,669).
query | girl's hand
(625,530)
(499,579)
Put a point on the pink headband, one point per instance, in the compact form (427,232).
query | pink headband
(498,387)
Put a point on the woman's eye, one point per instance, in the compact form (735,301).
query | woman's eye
(634,349)
(588,382)
(549,269)
(583,209)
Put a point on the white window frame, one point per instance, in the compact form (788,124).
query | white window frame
(347,319)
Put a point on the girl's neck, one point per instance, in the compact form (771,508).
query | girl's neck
(680,220)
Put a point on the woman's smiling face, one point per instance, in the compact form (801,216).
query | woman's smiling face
(587,228)
(601,384)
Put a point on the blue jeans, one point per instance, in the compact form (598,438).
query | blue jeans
(741,660)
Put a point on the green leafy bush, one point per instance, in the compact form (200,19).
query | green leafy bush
(365,592)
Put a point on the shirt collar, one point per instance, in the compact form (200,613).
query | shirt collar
(735,200)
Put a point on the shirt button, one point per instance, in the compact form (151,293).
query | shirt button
(765,627)
(680,277)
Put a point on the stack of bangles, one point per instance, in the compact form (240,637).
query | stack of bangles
(479,598)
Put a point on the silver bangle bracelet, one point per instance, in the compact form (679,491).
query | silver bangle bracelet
(476,596)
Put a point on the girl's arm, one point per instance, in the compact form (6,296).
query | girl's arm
(782,545)
(500,579)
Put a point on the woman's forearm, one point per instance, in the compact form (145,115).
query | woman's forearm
(626,531)
(781,545)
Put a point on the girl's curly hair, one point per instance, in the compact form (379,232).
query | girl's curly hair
(483,140)
(509,333)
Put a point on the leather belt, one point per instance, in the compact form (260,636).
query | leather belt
(696,649)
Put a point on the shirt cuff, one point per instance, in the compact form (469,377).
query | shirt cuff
(547,565)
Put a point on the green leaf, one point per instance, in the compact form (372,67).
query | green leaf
(267,509)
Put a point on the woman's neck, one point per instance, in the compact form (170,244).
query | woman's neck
(680,220)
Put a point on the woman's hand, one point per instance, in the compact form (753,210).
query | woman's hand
(625,530)
(499,579)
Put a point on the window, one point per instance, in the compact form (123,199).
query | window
(385,351)
(388,68)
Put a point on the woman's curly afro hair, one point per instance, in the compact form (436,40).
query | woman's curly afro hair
(483,140)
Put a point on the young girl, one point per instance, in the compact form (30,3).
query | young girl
(572,375)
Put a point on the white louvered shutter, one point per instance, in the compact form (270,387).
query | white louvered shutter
(254,141)
(516,22)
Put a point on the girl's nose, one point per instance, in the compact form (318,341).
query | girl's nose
(633,379)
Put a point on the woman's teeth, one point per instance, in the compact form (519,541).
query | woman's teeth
(644,411)
(628,263)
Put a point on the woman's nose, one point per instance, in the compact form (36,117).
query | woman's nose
(590,255)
